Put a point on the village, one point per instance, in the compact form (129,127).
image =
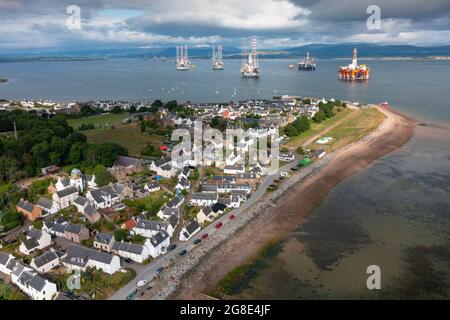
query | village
(151,208)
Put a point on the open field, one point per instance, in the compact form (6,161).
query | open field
(128,136)
(317,128)
(107,119)
(357,125)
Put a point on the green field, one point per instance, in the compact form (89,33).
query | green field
(359,124)
(101,120)
(128,136)
(316,128)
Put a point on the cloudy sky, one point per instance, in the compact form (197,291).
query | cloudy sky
(39,24)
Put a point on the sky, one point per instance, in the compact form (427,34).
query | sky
(49,24)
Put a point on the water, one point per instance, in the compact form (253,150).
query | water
(418,87)
(394,214)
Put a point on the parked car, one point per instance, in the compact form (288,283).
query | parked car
(141,283)
(204,236)
(131,295)
(159,270)
(197,241)
(294,169)
(231,217)
(218,225)
(171,247)
(128,260)
(182,253)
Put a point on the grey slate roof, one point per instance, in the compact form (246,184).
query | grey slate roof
(67,192)
(192,226)
(204,196)
(174,202)
(103,237)
(173,220)
(80,256)
(218,207)
(105,191)
(58,227)
(82,201)
(209,187)
(34,233)
(74,228)
(31,243)
(45,258)
(4,258)
(37,283)
(90,211)
(151,225)
(126,161)
(128,247)
(158,238)
(45,203)
(25,205)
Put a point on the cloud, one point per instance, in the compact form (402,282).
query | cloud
(28,24)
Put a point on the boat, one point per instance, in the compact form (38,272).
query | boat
(307,63)
(354,72)
(183,63)
(217,58)
(250,63)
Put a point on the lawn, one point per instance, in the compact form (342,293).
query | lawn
(361,123)
(128,136)
(8,292)
(101,120)
(316,128)
(152,203)
(96,282)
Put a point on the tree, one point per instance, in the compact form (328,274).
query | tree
(116,109)
(121,235)
(102,176)
(38,224)
(290,131)
(172,105)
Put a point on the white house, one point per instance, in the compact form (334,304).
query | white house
(81,258)
(45,262)
(65,197)
(36,239)
(234,169)
(158,244)
(229,187)
(189,231)
(175,202)
(104,197)
(148,228)
(204,198)
(135,252)
(7,263)
(48,206)
(165,212)
(206,214)
(166,171)
(104,241)
(152,187)
(32,284)
(183,184)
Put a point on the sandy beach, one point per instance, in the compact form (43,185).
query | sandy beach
(292,208)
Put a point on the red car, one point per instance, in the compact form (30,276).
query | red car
(204,236)
(232,217)
(219,225)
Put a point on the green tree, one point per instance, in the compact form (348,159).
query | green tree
(102,176)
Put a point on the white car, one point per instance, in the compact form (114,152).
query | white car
(284,174)
(141,283)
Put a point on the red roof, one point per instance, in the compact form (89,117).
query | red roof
(163,147)
(130,224)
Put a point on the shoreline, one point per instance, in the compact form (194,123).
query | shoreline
(280,212)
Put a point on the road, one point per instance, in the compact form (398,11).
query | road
(150,271)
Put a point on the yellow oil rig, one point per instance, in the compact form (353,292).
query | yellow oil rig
(354,71)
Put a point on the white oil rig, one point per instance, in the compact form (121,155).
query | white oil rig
(183,63)
(217,59)
(250,63)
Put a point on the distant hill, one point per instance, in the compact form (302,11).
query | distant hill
(317,50)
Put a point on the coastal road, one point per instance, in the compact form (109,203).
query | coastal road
(149,272)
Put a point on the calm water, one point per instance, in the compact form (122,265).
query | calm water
(418,87)
(396,214)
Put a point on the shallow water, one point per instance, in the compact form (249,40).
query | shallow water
(395,215)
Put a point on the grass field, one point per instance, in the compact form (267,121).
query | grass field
(316,128)
(128,136)
(107,119)
(359,124)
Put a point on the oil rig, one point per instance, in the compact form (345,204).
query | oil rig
(217,59)
(250,63)
(183,63)
(354,71)
(307,63)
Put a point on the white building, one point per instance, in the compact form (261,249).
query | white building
(234,169)
(45,262)
(104,197)
(189,231)
(36,239)
(49,207)
(135,252)
(64,198)
(204,198)
(148,228)
(158,244)
(33,285)
(81,258)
